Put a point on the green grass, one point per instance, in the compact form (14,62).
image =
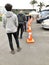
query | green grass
(0,18)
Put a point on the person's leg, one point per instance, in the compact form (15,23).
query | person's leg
(25,26)
(17,41)
(18,29)
(22,29)
(10,40)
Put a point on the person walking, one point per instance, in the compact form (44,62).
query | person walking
(10,23)
(21,21)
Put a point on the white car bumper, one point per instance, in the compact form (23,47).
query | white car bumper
(45,26)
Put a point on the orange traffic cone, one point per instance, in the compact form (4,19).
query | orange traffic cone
(28,26)
(29,29)
(30,38)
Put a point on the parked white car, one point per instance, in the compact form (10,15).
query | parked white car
(45,24)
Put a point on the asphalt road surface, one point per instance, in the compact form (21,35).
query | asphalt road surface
(31,54)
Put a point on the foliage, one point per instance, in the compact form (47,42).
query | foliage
(41,4)
(0,18)
(15,11)
(33,2)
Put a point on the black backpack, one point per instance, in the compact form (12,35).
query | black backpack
(21,18)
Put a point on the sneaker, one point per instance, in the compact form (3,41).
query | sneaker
(12,52)
(18,49)
(20,37)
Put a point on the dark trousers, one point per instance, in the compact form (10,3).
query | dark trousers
(25,26)
(20,26)
(10,39)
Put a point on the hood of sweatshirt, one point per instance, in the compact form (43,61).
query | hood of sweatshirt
(9,14)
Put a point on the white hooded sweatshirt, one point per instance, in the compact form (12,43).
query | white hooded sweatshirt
(10,22)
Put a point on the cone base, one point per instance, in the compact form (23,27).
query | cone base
(30,41)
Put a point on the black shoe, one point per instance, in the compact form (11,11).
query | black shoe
(18,49)
(12,52)
(20,37)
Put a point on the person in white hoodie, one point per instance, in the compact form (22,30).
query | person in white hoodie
(10,23)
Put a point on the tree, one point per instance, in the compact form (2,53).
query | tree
(33,2)
(41,4)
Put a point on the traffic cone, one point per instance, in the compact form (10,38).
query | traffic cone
(28,26)
(29,29)
(30,38)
